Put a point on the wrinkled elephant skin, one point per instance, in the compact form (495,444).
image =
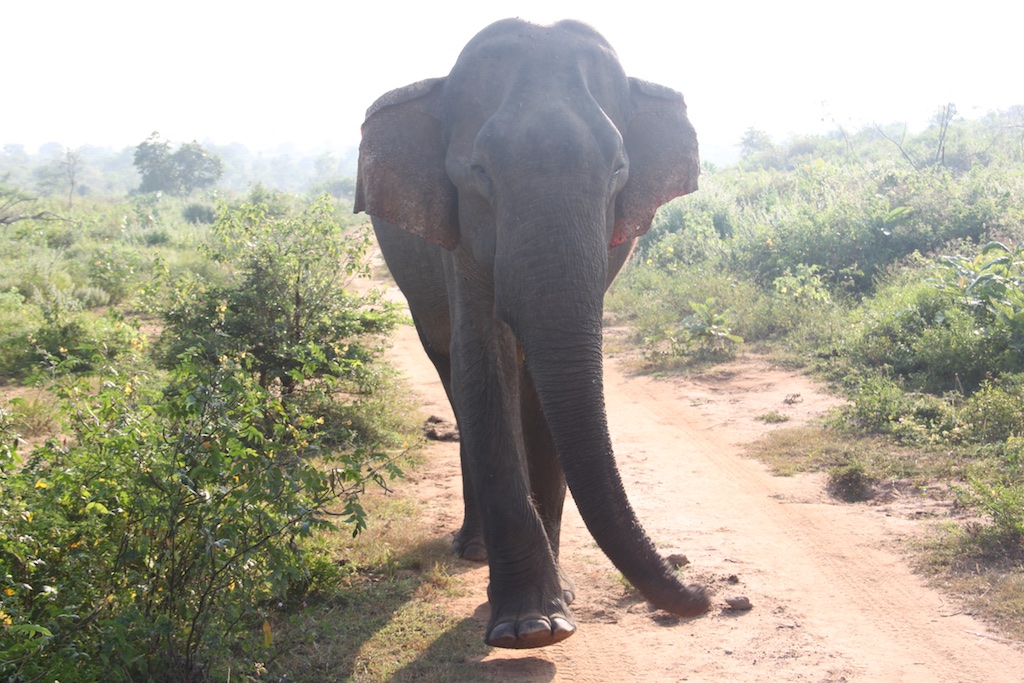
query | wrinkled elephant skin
(505,198)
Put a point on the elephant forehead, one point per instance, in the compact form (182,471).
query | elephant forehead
(521,60)
(513,37)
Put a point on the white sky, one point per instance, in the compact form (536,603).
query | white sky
(109,72)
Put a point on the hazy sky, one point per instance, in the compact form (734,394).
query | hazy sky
(110,72)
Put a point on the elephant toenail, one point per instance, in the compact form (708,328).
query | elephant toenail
(502,635)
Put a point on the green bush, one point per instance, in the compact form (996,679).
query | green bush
(850,482)
(283,299)
(17,320)
(54,330)
(199,213)
(994,489)
(116,270)
(995,413)
(924,334)
(145,543)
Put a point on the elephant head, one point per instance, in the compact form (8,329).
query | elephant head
(423,143)
(537,162)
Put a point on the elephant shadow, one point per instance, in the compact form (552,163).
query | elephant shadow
(458,654)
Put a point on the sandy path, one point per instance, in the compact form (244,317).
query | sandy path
(833,600)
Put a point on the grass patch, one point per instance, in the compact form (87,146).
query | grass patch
(772,417)
(35,415)
(972,562)
(821,448)
(383,617)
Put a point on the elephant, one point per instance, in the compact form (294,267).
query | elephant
(505,197)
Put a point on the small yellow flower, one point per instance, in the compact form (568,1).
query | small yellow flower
(42,484)
(128,388)
(63,350)
(9,591)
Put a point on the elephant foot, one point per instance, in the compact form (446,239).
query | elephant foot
(469,546)
(518,625)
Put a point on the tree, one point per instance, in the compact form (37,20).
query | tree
(192,167)
(61,174)
(196,167)
(153,160)
(755,141)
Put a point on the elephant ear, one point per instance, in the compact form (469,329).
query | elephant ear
(663,160)
(401,175)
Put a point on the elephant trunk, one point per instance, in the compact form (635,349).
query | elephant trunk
(562,343)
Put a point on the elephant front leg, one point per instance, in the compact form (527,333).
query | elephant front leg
(468,541)
(526,592)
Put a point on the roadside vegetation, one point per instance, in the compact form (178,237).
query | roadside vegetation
(196,419)
(892,266)
(191,395)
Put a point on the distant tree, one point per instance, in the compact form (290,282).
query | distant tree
(15,153)
(325,166)
(61,175)
(192,167)
(942,118)
(328,178)
(153,159)
(196,167)
(755,141)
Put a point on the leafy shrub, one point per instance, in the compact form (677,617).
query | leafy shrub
(116,271)
(17,320)
(92,297)
(37,269)
(878,402)
(926,335)
(199,213)
(667,317)
(995,490)
(850,482)
(146,542)
(283,301)
(995,413)
(991,286)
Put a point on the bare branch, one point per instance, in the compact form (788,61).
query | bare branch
(948,112)
(899,144)
(13,202)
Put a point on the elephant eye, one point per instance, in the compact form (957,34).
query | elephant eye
(480,180)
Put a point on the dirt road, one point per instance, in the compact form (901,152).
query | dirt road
(832,598)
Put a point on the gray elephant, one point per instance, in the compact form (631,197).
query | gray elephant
(505,198)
